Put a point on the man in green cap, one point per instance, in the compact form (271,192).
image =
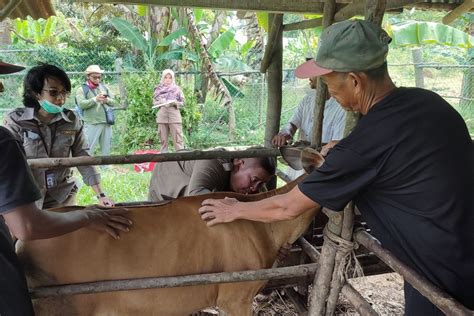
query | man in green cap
(407,165)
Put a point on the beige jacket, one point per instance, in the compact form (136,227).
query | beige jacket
(63,137)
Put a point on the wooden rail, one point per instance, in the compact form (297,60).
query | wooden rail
(131,159)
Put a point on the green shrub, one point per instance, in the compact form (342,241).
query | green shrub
(138,128)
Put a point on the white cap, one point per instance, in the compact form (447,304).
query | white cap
(94,69)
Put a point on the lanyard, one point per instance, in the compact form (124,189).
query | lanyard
(53,138)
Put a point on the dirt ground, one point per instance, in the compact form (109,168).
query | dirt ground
(384,292)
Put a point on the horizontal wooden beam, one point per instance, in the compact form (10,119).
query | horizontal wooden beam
(131,159)
(174,281)
(302,25)
(274,6)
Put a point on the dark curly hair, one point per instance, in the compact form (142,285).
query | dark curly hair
(34,82)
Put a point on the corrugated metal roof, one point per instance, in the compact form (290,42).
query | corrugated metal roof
(34,8)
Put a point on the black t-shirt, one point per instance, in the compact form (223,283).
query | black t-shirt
(17,187)
(408,165)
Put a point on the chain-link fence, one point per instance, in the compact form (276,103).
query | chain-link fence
(452,81)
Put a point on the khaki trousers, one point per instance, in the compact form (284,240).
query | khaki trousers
(176,130)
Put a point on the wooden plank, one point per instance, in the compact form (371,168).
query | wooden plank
(272,6)
(463,8)
(306,24)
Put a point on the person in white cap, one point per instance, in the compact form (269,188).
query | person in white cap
(97,107)
(19,216)
(407,165)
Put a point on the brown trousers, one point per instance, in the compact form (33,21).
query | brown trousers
(176,130)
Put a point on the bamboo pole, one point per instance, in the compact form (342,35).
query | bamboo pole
(353,296)
(435,295)
(131,159)
(274,77)
(174,281)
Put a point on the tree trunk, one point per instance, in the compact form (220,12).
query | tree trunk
(466,103)
(221,91)
(219,20)
(5,38)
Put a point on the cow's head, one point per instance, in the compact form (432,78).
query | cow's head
(299,158)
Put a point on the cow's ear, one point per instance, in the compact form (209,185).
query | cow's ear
(311,159)
(292,156)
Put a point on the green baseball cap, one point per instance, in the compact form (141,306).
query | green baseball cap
(347,46)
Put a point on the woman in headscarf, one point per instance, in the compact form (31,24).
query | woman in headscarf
(169,98)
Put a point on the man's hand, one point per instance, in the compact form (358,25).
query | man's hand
(111,221)
(326,148)
(218,211)
(281,139)
(101,98)
(105,201)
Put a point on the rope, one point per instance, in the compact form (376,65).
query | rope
(349,267)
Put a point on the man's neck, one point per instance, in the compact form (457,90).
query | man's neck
(375,92)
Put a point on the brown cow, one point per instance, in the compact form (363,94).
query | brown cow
(166,240)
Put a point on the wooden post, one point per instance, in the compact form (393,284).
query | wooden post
(323,276)
(417,60)
(274,75)
(122,90)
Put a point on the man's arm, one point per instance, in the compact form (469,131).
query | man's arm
(27,222)
(277,208)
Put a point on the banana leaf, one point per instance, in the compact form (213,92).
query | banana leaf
(421,33)
(233,90)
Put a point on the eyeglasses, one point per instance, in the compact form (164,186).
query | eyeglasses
(56,93)
(95,77)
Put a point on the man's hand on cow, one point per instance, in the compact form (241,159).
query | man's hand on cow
(326,148)
(281,139)
(218,211)
(105,201)
(111,221)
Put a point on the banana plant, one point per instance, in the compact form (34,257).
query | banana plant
(35,31)
(146,44)
(415,33)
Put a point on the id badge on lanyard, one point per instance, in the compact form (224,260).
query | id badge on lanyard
(50,179)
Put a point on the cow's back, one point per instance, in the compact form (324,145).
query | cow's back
(166,240)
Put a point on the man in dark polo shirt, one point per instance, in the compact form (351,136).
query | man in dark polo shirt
(408,165)
(20,216)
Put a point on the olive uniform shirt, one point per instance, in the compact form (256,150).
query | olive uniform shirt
(93,112)
(62,137)
(174,179)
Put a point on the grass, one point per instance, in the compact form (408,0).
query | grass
(121,183)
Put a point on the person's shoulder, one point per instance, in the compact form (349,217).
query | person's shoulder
(5,135)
